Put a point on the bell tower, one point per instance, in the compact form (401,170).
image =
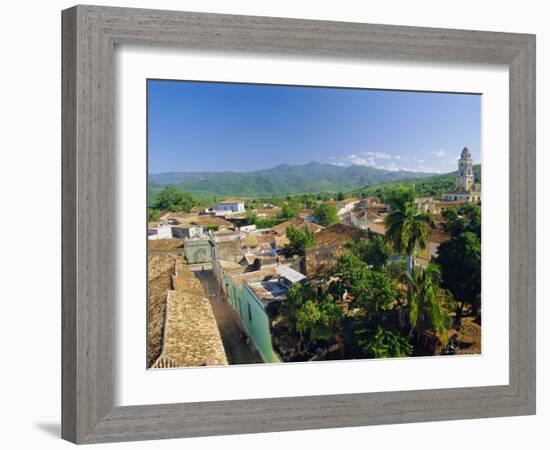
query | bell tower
(465,174)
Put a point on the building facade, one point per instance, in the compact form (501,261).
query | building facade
(229,206)
(465,174)
(465,189)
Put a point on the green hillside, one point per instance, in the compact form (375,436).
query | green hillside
(281,180)
(427,186)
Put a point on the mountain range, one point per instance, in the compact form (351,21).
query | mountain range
(283,179)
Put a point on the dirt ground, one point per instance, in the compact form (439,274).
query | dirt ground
(469,337)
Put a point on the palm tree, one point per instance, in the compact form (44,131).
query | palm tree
(406,229)
(429,304)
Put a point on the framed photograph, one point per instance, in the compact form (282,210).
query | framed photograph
(278,224)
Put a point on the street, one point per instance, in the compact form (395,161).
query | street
(236,350)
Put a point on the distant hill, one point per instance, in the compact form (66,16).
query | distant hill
(280,180)
(433,185)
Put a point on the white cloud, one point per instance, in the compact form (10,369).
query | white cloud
(380,160)
(379,155)
(439,153)
(358,161)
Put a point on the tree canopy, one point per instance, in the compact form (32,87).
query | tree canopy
(326,215)
(312,315)
(172,199)
(299,241)
(460,262)
(373,251)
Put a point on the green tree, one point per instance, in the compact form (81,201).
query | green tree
(373,295)
(319,318)
(380,342)
(464,218)
(152,215)
(299,241)
(399,198)
(326,215)
(371,291)
(172,199)
(340,196)
(429,305)
(373,251)
(290,210)
(460,262)
(407,229)
(312,316)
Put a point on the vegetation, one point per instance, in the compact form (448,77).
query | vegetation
(290,210)
(281,180)
(460,262)
(460,257)
(429,305)
(152,215)
(432,186)
(406,227)
(299,241)
(381,306)
(326,215)
(314,316)
(172,199)
(375,251)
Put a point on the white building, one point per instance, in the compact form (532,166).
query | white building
(167,231)
(229,207)
(465,189)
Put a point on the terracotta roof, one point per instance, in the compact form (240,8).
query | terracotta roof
(181,327)
(229,265)
(230,201)
(347,201)
(338,234)
(281,241)
(438,235)
(378,206)
(191,336)
(368,215)
(377,227)
(300,224)
(450,202)
(159,245)
(268,212)
(203,220)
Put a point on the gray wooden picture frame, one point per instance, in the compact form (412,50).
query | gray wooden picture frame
(90,34)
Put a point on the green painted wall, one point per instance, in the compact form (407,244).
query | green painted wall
(253,317)
(199,251)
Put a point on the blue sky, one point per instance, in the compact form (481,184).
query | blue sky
(197,126)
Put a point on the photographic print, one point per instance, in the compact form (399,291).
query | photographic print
(292,224)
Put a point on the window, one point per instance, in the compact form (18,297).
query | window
(249,312)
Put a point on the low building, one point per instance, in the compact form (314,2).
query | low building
(168,230)
(255,296)
(362,218)
(229,206)
(330,244)
(298,223)
(436,236)
(344,206)
(247,228)
(181,327)
(227,246)
(463,196)
(198,251)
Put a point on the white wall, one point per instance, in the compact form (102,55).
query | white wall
(30,182)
